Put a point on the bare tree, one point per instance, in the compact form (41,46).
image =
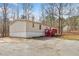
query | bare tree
(72,17)
(50,11)
(5,21)
(48,14)
(27,10)
(13,16)
(60,8)
(17,10)
(42,17)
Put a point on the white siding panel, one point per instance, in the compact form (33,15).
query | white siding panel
(18,29)
(18,34)
(23,29)
(18,26)
(27,34)
(34,34)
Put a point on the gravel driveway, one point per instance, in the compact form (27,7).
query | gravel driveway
(38,47)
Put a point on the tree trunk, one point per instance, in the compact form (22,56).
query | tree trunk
(5,22)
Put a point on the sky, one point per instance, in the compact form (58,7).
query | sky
(36,9)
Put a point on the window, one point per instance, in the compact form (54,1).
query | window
(33,25)
(40,27)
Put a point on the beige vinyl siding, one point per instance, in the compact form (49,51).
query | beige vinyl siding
(18,29)
(26,29)
(29,26)
(18,26)
(34,31)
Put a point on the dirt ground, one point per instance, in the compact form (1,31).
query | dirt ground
(43,46)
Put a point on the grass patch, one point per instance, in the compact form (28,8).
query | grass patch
(70,36)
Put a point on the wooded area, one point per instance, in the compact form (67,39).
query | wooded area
(63,16)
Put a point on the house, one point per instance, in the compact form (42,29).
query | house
(66,28)
(26,28)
